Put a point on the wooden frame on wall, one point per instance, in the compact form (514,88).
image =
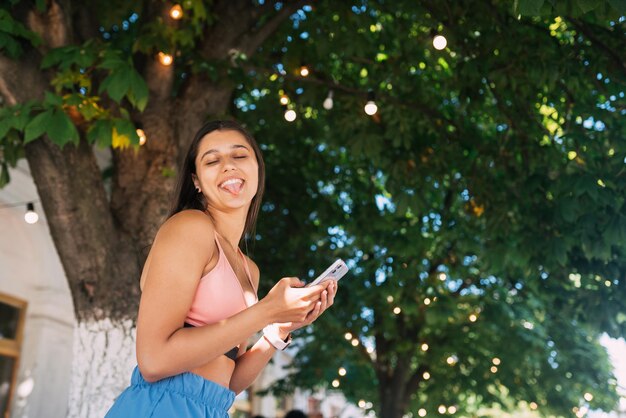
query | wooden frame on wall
(11,347)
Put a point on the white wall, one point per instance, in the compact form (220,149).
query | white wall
(30,269)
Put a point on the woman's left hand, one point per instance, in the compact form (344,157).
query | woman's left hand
(327,298)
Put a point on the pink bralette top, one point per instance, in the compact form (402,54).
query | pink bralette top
(219,294)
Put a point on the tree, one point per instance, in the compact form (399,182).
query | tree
(482,207)
(475,156)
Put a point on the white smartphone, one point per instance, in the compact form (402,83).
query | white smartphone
(336,271)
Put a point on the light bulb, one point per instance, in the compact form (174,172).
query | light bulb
(421,412)
(426,375)
(370,107)
(335,383)
(304,71)
(342,371)
(142,136)
(328,102)
(31,216)
(424,347)
(588,397)
(451,409)
(165,59)
(355,342)
(440,42)
(362,403)
(441,409)
(348,336)
(176,12)
(397,310)
(290,115)
(284,100)
(473,318)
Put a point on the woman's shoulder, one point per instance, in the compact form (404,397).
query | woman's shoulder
(187,224)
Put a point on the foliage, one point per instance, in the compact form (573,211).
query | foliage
(481,208)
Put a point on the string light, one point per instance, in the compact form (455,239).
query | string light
(426,375)
(427,301)
(442,277)
(342,371)
(31,216)
(290,114)
(142,136)
(176,12)
(441,409)
(533,406)
(370,107)
(355,342)
(397,310)
(370,350)
(335,383)
(451,409)
(424,347)
(421,412)
(165,59)
(451,360)
(304,70)
(328,101)
(389,298)
(493,369)
(362,403)
(440,42)
(348,336)
(496,361)
(588,397)
(284,100)
(473,318)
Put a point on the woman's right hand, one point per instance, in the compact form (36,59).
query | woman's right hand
(290,301)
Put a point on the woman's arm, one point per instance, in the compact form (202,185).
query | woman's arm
(252,362)
(181,250)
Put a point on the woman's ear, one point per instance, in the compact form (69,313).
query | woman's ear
(196,183)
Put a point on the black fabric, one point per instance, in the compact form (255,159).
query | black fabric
(231,354)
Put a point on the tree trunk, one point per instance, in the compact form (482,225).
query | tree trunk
(104,357)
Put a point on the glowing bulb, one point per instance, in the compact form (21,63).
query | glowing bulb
(451,409)
(389,298)
(328,102)
(426,375)
(421,412)
(473,318)
(397,310)
(370,350)
(442,277)
(371,108)
(362,403)
(304,71)
(355,342)
(284,99)
(533,405)
(165,59)
(335,383)
(427,301)
(31,216)
(496,361)
(176,12)
(290,115)
(342,371)
(441,409)
(493,369)
(348,336)
(588,397)
(142,136)
(451,360)
(440,42)
(424,347)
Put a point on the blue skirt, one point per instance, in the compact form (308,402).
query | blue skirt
(184,395)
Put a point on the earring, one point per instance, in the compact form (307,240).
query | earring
(198,189)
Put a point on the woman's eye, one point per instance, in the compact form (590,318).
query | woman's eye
(238,157)
(211,162)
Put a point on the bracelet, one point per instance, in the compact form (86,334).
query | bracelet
(270,333)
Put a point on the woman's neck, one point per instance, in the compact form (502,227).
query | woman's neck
(229,226)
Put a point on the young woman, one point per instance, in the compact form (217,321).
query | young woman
(199,301)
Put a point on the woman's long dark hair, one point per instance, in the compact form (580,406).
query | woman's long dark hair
(187,197)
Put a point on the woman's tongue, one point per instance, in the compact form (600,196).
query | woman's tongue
(233,188)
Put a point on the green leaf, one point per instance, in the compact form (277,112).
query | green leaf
(100,133)
(126,128)
(138,94)
(4,175)
(529,7)
(61,129)
(116,85)
(37,126)
(52,100)
(619,5)
(587,5)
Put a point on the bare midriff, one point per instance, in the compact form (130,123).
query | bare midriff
(219,370)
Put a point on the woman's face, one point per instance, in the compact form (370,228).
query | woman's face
(227,171)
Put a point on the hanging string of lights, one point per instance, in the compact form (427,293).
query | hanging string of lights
(31,216)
